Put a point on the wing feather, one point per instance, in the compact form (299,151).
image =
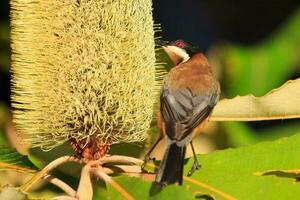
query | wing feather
(183,111)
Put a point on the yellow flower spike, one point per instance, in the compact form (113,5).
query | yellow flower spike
(83,71)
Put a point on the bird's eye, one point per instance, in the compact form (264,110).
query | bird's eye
(179,43)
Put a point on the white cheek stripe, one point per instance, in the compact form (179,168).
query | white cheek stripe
(179,52)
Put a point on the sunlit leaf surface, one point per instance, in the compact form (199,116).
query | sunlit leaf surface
(280,103)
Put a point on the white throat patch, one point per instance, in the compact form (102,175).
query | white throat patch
(178,52)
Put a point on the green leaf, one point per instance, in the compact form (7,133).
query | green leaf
(11,159)
(233,171)
(140,189)
(293,173)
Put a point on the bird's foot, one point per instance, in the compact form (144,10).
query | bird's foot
(195,167)
(146,160)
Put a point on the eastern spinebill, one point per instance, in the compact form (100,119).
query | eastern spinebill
(189,93)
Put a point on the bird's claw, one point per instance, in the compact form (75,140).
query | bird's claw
(195,167)
(146,160)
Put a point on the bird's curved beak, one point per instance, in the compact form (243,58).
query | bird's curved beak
(161,42)
(176,54)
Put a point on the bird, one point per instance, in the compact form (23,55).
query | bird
(188,95)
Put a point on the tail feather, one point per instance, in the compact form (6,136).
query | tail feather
(171,166)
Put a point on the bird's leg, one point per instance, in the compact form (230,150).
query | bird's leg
(196,164)
(147,156)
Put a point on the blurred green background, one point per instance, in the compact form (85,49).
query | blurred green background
(253,46)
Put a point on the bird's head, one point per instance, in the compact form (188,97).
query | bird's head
(179,51)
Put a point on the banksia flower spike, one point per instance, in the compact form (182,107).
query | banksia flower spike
(83,71)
